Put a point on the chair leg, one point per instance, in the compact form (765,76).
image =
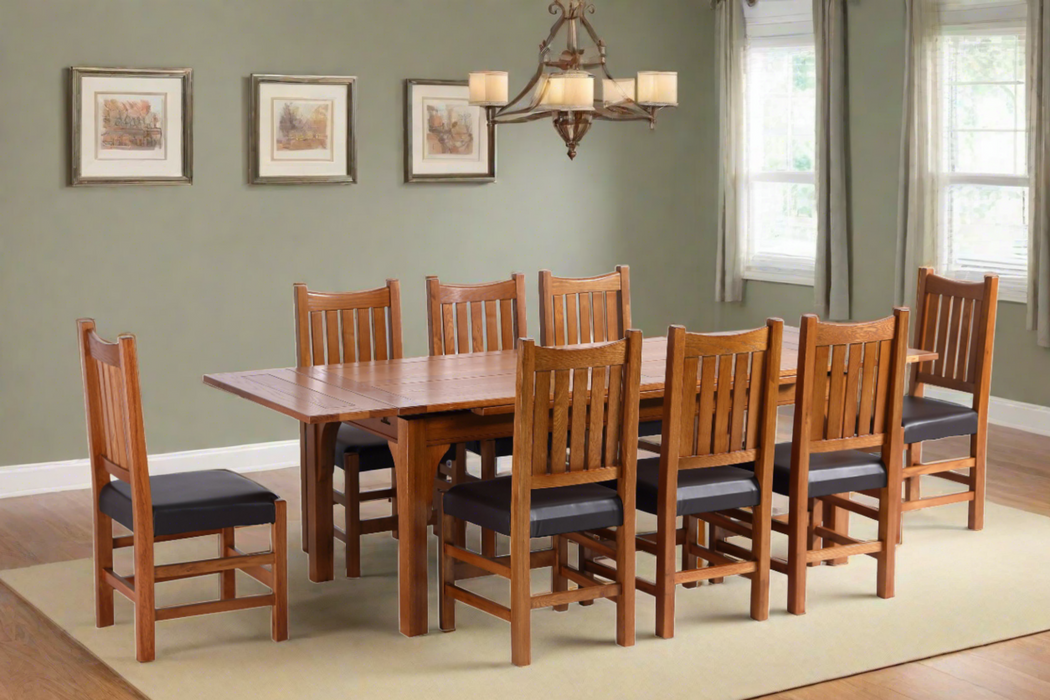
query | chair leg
(584,555)
(446,575)
(912,485)
(978,475)
(837,520)
(760,544)
(145,601)
(798,539)
(816,509)
(625,576)
(352,489)
(279,546)
(691,524)
(714,536)
(459,476)
(559,583)
(227,579)
(393,501)
(520,600)
(488,471)
(103,560)
(889,522)
(665,570)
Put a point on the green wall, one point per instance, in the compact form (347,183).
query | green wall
(876,71)
(203,274)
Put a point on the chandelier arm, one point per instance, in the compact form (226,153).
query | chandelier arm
(519,116)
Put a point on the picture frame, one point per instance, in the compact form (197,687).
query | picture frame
(131,126)
(456,143)
(302,130)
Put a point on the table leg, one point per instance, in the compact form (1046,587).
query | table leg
(320,447)
(416,470)
(304,486)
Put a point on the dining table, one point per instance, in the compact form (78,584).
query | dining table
(422,406)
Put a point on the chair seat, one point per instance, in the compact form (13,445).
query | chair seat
(194,501)
(373,453)
(650,428)
(554,511)
(699,490)
(933,419)
(831,472)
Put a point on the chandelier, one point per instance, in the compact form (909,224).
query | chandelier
(563,87)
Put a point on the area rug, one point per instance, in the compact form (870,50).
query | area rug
(955,589)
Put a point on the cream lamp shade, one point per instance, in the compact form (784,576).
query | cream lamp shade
(617,91)
(571,91)
(488,88)
(657,88)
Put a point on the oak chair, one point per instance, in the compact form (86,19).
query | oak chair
(840,416)
(335,328)
(167,507)
(562,450)
(715,463)
(477,318)
(957,320)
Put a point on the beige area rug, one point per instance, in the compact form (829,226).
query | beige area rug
(955,589)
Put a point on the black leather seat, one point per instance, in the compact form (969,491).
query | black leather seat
(194,501)
(372,450)
(650,428)
(831,472)
(554,511)
(699,490)
(933,419)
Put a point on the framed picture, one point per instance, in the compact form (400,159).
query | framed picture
(302,130)
(131,127)
(446,139)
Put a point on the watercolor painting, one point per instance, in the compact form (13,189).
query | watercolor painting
(450,130)
(302,129)
(130,122)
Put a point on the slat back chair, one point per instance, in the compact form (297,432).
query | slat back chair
(716,459)
(575,425)
(337,328)
(476,318)
(955,319)
(841,415)
(584,310)
(154,509)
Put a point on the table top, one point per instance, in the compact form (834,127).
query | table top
(418,385)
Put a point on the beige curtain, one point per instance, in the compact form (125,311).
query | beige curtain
(1039,169)
(729,22)
(920,150)
(832,273)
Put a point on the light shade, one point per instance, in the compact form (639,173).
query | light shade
(571,91)
(488,88)
(618,91)
(657,88)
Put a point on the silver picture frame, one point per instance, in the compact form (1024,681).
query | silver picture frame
(411,142)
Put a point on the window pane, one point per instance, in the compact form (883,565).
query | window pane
(782,219)
(781,108)
(988,229)
(985,106)
(992,152)
(986,58)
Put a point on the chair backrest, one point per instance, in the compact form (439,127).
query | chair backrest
(584,310)
(113,407)
(850,388)
(956,320)
(475,317)
(333,328)
(588,430)
(720,399)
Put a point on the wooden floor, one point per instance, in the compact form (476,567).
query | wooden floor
(38,661)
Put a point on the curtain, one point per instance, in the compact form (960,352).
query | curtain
(1039,169)
(832,273)
(729,22)
(918,207)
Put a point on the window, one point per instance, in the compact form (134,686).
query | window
(780,197)
(984,152)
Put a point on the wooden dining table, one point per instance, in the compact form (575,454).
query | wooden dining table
(422,406)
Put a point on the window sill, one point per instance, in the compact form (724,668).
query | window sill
(794,277)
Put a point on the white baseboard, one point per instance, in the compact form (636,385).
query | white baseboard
(1029,417)
(46,477)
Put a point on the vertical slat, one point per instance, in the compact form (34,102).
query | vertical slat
(540,427)
(491,327)
(612,317)
(349,348)
(379,328)
(571,304)
(331,322)
(596,428)
(942,336)
(578,439)
(688,438)
(364,336)
(477,328)
(929,331)
(506,318)
(836,392)
(615,411)
(462,331)
(736,425)
(966,336)
(952,357)
(560,421)
(706,411)
(754,399)
(105,407)
(971,365)
(819,403)
(559,320)
(882,386)
(599,315)
(867,387)
(317,337)
(448,322)
(723,404)
(585,317)
(849,414)
(120,428)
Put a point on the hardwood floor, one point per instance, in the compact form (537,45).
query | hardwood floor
(38,661)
